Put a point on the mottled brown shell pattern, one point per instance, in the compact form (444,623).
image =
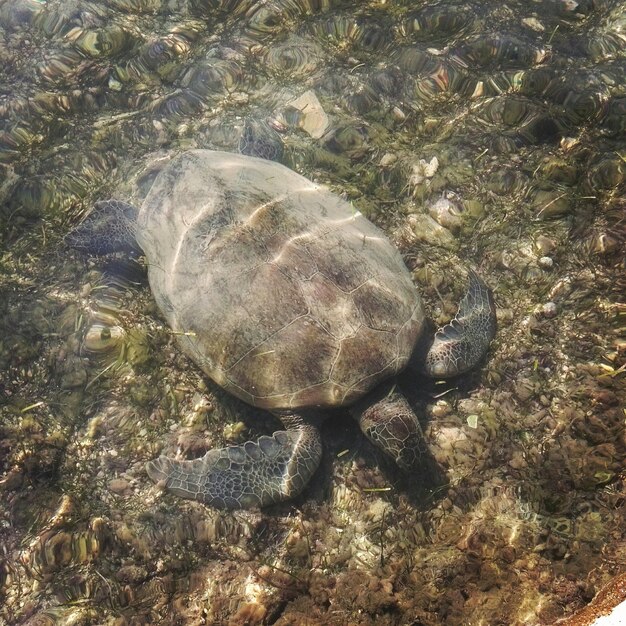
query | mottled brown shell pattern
(282,292)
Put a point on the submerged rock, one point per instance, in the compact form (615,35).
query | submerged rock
(309,115)
(426,229)
(447,211)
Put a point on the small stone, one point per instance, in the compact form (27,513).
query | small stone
(474,208)
(551,203)
(131,574)
(569,5)
(76,374)
(545,245)
(559,171)
(240,97)
(250,613)
(603,243)
(441,408)
(546,263)
(422,170)
(518,461)
(568,143)
(532,273)
(398,114)
(534,24)
(313,120)
(12,481)
(427,230)
(115,85)
(85,290)
(388,159)
(549,309)
(119,486)
(524,389)
(447,211)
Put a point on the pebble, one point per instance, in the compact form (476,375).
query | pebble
(314,120)
(546,263)
(568,143)
(441,408)
(447,211)
(427,230)
(551,204)
(422,170)
(545,245)
(534,23)
(518,461)
(119,486)
(398,114)
(388,159)
(549,309)
(604,243)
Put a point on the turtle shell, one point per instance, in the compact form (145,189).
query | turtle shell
(283,293)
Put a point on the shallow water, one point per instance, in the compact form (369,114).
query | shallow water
(487,135)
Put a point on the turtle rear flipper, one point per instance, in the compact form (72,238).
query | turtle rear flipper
(254,474)
(462,343)
(110,227)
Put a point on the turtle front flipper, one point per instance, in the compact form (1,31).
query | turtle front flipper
(254,474)
(110,227)
(388,421)
(462,343)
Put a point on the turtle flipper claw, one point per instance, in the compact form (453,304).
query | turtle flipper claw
(462,343)
(254,474)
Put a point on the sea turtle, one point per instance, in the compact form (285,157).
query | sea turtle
(291,300)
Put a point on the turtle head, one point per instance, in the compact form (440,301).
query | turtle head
(109,227)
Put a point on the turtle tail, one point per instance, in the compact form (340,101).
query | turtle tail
(254,474)
(109,227)
(462,343)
